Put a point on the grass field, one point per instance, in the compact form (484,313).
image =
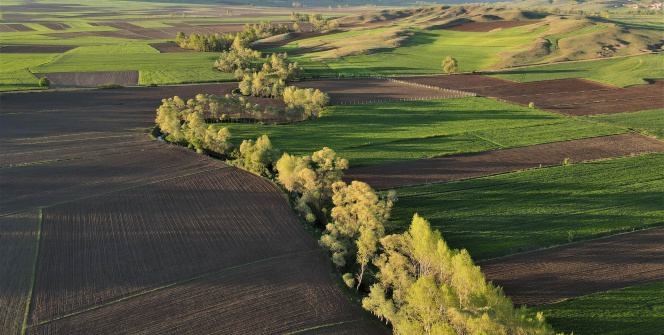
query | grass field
(425,50)
(622,72)
(635,310)
(387,132)
(649,122)
(504,214)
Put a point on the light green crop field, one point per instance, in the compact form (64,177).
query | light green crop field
(387,132)
(425,49)
(650,122)
(624,71)
(504,214)
(631,311)
(553,39)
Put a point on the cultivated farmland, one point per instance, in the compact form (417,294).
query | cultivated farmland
(450,168)
(551,275)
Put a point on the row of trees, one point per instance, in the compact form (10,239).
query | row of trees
(317,21)
(220,42)
(236,58)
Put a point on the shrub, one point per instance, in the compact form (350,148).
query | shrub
(44,82)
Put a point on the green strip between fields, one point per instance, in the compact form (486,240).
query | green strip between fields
(24,328)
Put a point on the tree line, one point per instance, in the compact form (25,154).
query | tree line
(220,42)
(317,21)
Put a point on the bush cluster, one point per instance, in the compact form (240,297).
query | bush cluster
(220,42)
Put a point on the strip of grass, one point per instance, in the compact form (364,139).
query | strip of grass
(119,49)
(387,132)
(635,310)
(18,80)
(625,71)
(650,122)
(503,214)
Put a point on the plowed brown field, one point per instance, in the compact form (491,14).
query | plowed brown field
(124,215)
(91,79)
(169,47)
(551,275)
(457,167)
(343,91)
(18,241)
(277,296)
(29,49)
(573,97)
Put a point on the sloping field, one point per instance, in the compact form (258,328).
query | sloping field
(551,275)
(523,211)
(478,27)
(87,176)
(450,168)
(574,97)
(343,91)
(18,241)
(277,296)
(55,25)
(35,49)
(91,79)
(104,248)
(169,47)
(19,27)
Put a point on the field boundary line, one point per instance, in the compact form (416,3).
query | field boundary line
(24,327)
(69,159)
(324,326)
(490,141)
(131,187)
(159,288)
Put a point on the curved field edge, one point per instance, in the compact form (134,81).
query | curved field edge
(634,310)
(622,71)
(534,209)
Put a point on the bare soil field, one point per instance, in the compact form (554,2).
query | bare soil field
(49,150)
(343,91)
(474,26)
(277,296)
(457,167)
(365,327)
(551,275)
(18,240)
(169,47)
(88,176)
(55,25)
(294,37)
(107,247)
(31,49)
(573,97)
(6,29)
(18,27)
(91,79)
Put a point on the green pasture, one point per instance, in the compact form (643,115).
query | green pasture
(635,310)
(623,71)
(553,39)
(514,212)
(650,122)
(425,49)
(386,132)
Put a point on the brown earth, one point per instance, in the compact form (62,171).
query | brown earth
(91,79)
(124,214)
(111,246)
(449,168)
(55,26)
(343,91)
(169,47)
(295,37)
(18,240)
(474,26)
(555,274)
(36,49)
(6,29)
(351,328)
(278,296)
(18,27)
(573,97)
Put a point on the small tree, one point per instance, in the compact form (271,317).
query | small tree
(44,82)
(450,65)
(531,105)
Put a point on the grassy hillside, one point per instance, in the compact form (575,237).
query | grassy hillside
(630,311)
(386,132)
(624,71)
(504,214)
(646,122)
